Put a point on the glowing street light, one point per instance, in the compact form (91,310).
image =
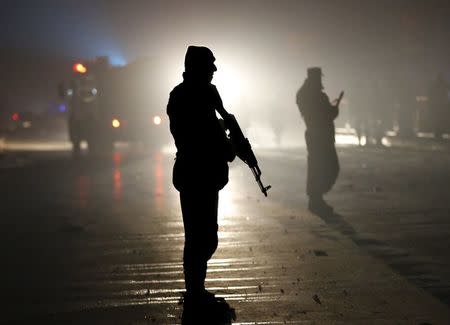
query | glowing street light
(157,120)
(115,123)
(79,67)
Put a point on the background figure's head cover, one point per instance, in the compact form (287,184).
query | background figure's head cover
(199,58)
(315,73)
(314,78)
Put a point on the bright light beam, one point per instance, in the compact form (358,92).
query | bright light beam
(228,82)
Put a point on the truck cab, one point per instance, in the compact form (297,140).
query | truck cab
(109,104)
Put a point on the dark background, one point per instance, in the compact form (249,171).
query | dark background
(268,43)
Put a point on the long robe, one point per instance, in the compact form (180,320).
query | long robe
(319,115)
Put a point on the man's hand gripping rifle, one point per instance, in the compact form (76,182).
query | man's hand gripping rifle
(244,150)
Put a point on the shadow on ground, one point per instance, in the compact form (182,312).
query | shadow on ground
(399,260)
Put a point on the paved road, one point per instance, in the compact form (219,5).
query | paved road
(101,241)
(394,203)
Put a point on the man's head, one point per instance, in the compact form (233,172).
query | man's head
(315,76)
(199,60)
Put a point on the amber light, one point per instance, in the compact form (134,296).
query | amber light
(115,123)
(80,68)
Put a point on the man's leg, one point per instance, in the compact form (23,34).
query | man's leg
(200,225)
(323,169)
(332,168)
(313,180)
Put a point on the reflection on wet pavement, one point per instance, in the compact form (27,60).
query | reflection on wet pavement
(111,237)
(83,190)
(158,191)
(117,176)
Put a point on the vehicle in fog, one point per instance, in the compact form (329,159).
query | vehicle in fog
(107,104)
(14,121)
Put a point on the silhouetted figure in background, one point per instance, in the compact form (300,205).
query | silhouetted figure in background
(358,110)
(318,114)
(377,113)
(200,172)
(439,106)
(406,110)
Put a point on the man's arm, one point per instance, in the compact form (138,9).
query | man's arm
(178,123)
(298,102)
(333,109)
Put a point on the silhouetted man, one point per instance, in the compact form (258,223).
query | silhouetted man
(201,166)
(319,115)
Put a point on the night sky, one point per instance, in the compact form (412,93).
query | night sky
(127,29)
(269,41)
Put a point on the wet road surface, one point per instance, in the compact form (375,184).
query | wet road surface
(100,241)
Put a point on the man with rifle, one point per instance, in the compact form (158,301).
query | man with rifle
(201,165)
(319,114)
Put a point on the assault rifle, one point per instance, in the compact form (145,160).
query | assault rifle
(338,101)
(244,150)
